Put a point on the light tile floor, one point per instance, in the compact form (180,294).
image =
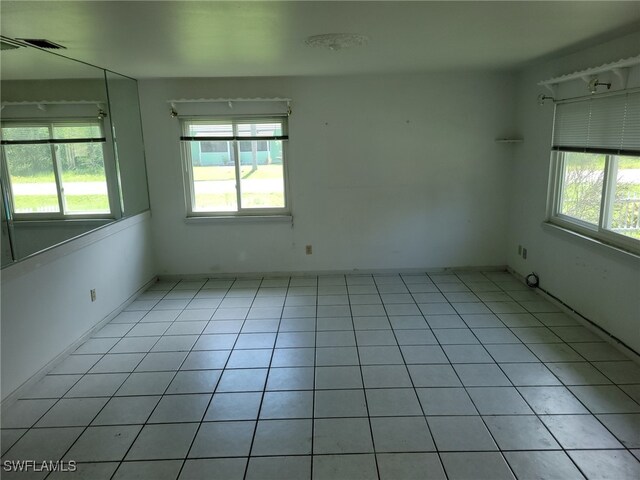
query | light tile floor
(458,376)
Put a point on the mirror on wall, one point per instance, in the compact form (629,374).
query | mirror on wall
(5,242)
(126,130)
(64,172)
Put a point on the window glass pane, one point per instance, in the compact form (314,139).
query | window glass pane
(270,129)
(84,183)
(67,131)
(22,132)
(261,174)
(209,130)
(262,146)
(33,181)
(582,183)
(625,211)
(214,176)
(214,147)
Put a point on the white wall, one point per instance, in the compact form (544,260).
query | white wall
(600,283)
(46,305)
(398,171)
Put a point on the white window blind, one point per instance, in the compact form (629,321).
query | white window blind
(243,129)
(609,124)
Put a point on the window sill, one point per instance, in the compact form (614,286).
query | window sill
(552,227)
(240,219)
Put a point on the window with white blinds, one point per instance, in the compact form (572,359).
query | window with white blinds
(595,168)
(608,124)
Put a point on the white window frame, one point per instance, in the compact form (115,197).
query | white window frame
(600,231)
(112,193)
(187,166)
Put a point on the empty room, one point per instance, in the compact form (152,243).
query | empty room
(320,240)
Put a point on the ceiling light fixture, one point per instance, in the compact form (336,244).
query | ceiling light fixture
(337,41)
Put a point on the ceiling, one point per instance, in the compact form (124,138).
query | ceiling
(243,38)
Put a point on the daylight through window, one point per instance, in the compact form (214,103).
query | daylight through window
(56,169)
(595,188)
(235,166)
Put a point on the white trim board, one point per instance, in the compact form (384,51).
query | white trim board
(313,273)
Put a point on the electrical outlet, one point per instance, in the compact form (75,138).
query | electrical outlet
(524,253)
(520,250)
(93,294)
(308,249)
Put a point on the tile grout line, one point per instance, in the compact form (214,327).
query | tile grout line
(266,379)
(415,391)
(313,394)
(59,398)
(85,428)
(488,430)
(566,386)
(472,330)
(364,390)
(215,388)
(168,384)
(162,395)
(528,406)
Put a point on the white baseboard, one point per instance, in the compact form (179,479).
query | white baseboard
(582,320)
(313,273)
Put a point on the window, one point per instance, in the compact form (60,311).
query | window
(235,166)
(213,147)
(56,169)
(595,174)
(261,146)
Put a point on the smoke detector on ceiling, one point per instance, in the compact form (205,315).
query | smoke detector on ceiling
(337,41)
(42,43)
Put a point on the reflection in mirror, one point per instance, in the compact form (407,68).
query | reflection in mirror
(5,242)
(60,172)
(127,137)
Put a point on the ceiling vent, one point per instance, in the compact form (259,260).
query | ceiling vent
(42,43)
(8,44)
